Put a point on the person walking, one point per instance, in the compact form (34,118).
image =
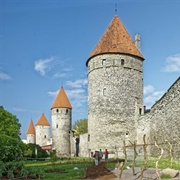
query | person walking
(96,157)
(106,155)
(100,155)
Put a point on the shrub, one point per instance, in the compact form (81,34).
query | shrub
(18,170)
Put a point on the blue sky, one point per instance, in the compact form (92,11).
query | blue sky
(44,44)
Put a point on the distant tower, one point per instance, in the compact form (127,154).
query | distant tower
(61,124)
(30,135)
(115,88)
(42,131)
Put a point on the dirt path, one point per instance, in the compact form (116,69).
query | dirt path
(100,172)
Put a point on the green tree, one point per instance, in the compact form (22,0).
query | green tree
(10,142)
(29,151)
(80,127)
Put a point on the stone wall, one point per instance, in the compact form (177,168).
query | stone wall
(115,97)
(84,149)
(42,135)
(30,138)
(163,122)
(61,131)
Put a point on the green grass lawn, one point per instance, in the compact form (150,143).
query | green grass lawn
(67,166)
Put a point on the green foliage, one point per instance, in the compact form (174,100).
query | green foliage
(165,176)
(2,169)
(10,174)
(9,124)
(65,168)
(19,170)
(80,127)
(53,159)
(10,148)
(29,151)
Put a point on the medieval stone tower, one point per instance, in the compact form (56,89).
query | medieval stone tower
(42,130)
(115,88)
(61,124)
(31,134)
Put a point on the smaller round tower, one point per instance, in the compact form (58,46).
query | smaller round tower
(42,131)
(30,135)
(61,124)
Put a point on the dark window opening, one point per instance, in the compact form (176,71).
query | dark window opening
(88,137)
(57,126)
(44,136)
(66,111)
(57,110)
(140,111)
(122,62)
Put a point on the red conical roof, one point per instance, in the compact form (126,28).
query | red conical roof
(61,100)
(42,121)
(31,129)
(116,39)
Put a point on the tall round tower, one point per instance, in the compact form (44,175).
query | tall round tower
(61,124)
(115,88)
(31,134)
(42,131)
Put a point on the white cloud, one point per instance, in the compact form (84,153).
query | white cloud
(53,93)
(54,67)
(77,94)
(77,84)
(172,63)
(151,95)
(43,65)
(4,76)
(58,75)
(148,89)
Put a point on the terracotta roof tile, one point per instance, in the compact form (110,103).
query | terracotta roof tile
(42,121)
(116,39)
(61,100)
(31,129)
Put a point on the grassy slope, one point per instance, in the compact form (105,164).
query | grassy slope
(68,167)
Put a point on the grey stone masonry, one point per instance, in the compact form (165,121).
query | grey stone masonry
(31,138)
(163,122)
(115,99)
(61,131)
(42,134)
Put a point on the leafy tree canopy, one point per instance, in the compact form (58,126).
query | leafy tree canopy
(10,143)
(9,124)
(31,149)
(80,127)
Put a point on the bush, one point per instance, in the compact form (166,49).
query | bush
(29,151)
(18,170)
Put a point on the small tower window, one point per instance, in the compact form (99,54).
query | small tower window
(93,65)
(88,137)
(44,136)
(66,111)
(140,111)
(57,110)
(122,62)
(104,92)
(104,62)
(56,125)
